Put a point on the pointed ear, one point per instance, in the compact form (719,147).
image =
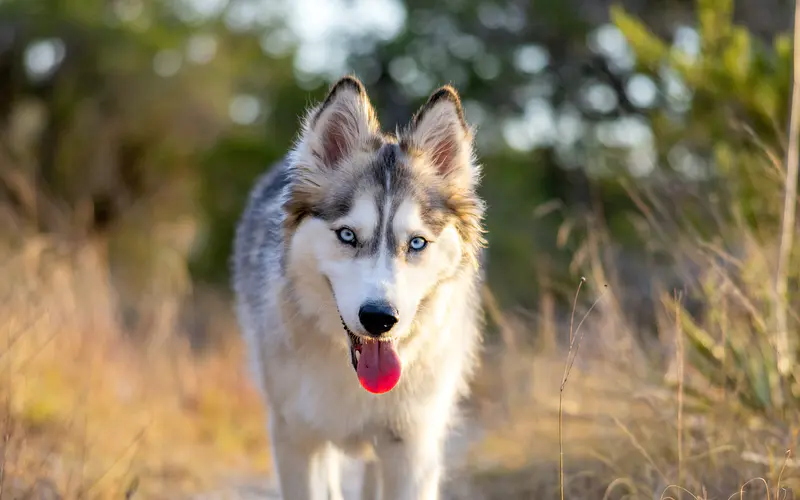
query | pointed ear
(441,133)
(338,126)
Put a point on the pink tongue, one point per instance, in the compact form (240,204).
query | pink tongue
(378,366)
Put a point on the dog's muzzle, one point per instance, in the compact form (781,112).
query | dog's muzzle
(375,362)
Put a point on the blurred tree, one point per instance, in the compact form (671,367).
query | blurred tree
(106,111)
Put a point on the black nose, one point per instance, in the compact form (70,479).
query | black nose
(377,318)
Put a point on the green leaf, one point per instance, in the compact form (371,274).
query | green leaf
(716,18)
(737,57)
(649,49)
(783,47)
(766,99)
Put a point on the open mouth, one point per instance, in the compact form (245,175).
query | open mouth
(376,362)
(355,345)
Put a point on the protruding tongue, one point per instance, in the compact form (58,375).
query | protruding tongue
(378,366)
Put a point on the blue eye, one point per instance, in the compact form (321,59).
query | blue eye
(417,244)
(346,236)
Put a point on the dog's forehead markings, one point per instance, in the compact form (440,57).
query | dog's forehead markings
(407,216)
(388,170)
(389,160)
(363,217)
(387,200)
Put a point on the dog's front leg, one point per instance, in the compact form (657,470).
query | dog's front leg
(410,466)
(298,461)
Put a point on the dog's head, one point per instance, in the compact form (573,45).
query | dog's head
(380,220)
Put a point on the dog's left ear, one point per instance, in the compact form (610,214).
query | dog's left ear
(440,131)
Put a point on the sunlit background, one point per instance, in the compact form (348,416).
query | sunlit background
(641,145)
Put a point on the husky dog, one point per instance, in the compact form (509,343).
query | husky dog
(356,271)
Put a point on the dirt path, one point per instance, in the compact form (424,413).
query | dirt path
(266,488)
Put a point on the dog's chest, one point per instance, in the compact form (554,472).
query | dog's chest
(320,392)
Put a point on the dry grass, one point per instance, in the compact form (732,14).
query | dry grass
(623,437)
(96,417)
(621,430)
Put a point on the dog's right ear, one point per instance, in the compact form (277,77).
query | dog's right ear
(440,131)
(342,123)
